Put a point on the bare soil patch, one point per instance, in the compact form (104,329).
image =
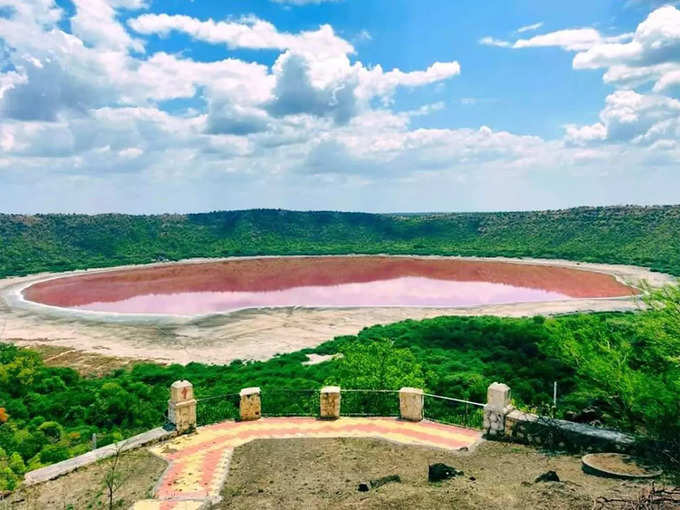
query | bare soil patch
(84,489)
(308,473)
(86,363)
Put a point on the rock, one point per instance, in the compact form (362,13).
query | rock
(363,487)
(438,472)
(385,479)
(587,415)
(548,476)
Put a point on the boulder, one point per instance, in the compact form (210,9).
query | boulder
(438,472)
(548,476)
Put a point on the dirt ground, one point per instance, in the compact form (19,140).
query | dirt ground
(84,489)
(86,363)
(256,334)
(305,473)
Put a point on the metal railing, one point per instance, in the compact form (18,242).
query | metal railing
(218,408)
(453,411)
(290,402)
(354,402)
(369,402)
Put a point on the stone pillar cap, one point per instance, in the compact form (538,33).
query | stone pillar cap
(330,389)
(499,386)
(181,384)
(249,391)
(411,390)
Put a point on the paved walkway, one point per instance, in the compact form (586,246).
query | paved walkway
(199,463)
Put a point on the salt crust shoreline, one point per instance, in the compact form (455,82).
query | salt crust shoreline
(257,333)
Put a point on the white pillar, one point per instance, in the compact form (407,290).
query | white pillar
(182,406)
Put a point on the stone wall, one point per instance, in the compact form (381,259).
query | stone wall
(561,434)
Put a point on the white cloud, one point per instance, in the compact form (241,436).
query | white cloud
(529,28)
(573,39)
(313,74)
(84,124)
(491,41)
(650,54)
(653,53)
(248,32)
(630,117)
(95,24)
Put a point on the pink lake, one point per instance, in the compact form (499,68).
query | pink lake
(403,291)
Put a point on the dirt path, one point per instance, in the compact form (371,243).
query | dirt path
(254,334)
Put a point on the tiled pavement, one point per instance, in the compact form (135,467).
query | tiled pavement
(198,463)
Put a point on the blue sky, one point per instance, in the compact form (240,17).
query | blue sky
(376,105)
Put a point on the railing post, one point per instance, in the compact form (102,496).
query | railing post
(411,403)
(496,409)
(250,407)
(329,402)
(182,406)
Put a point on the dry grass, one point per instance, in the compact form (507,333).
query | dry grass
(85,489)
(326,473)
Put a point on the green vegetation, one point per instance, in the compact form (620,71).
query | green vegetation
(622,367)
(633,235)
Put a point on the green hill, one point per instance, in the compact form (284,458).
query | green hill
(648,236)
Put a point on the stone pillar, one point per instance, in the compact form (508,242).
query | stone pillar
(330,402)
(251,405)
(182,406)
(411,403)
(496,409)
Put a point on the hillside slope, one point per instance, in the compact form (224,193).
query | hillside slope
(648,236)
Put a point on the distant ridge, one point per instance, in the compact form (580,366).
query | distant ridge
(641,235)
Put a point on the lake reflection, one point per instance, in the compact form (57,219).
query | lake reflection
(404,291)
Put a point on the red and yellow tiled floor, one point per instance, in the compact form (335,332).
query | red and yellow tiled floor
(199,463)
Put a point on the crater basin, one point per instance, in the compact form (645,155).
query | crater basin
(348,281)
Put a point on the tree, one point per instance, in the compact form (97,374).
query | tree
(633,365)
(377,365)
(115,475)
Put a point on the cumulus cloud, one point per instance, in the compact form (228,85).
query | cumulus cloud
(46,90)
(650,54)
(630,117)
(247,32)
(653,53)
(83,110)
(95,24)
(294,93)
